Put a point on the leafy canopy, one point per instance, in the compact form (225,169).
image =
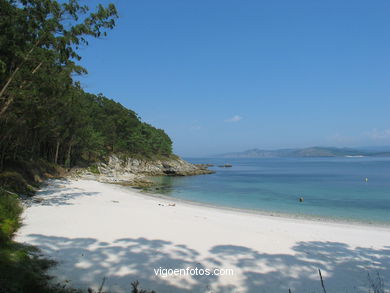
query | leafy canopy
(44,113)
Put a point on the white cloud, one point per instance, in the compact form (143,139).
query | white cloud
(235,118)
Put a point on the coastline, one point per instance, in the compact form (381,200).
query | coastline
(97,230)
(127,170)
(265,213)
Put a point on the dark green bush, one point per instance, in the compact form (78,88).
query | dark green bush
(14,181)
(10,210)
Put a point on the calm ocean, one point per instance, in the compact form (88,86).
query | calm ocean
(333,188)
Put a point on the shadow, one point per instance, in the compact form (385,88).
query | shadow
(85,261)
(60,199)
(55,193)
(344,269)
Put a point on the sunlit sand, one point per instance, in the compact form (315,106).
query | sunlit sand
(95,231)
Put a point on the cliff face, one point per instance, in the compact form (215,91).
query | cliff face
(135,171)
(176,166)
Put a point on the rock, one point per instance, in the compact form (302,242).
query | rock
(135,172)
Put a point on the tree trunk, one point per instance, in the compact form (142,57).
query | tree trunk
(56,155)
(67,161)
(15,153)
(33,145)
(7,103)
(1,161)
(12,76)
(2,155)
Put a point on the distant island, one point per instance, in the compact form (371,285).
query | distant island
(307,152)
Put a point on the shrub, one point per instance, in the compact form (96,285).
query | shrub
(94,169)
(15,182)
(10,210)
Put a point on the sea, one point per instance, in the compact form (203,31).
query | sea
(351,189)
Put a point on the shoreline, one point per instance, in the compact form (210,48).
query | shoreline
(95,230)
(265,213)
(141,192)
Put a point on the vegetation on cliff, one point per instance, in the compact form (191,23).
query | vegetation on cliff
(44,113)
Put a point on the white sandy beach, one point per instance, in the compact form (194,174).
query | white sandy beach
(97,230)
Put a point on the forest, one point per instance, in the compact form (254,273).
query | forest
(44,113)
(48,122)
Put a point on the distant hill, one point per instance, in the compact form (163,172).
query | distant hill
(375,149)
(304,152)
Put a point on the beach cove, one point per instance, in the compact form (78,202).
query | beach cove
(96,230)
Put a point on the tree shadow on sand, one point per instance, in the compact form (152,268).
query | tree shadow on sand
(49,194)
(122,262)
(345,269)
(87,261)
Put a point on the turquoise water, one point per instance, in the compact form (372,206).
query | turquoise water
(331,187)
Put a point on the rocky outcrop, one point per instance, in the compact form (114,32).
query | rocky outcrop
(174,166)
(132,170)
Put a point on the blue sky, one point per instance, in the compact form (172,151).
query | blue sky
(221,75)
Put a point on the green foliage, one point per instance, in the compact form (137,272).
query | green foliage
(120,130)
(47,119)
(44,114)
(94,169)
(10,210)
(21,269)
(15,182)
(19,272)
(23,177)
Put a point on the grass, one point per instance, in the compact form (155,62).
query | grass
(10,210)
(20,269)
(375,284)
